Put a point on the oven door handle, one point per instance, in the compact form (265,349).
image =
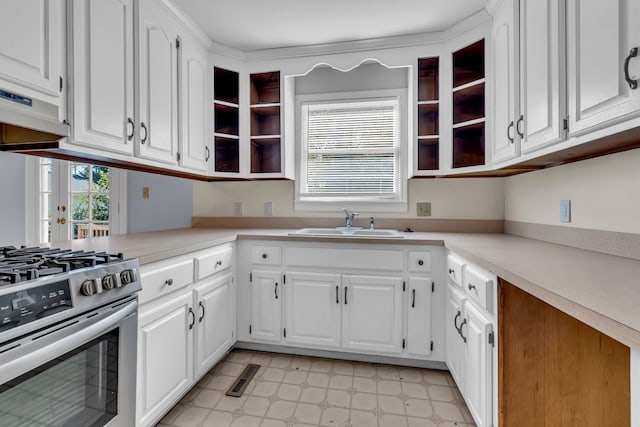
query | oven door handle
(17,366)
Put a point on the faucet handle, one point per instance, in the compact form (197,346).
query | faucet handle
(371,223)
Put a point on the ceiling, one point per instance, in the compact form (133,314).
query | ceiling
(250,25)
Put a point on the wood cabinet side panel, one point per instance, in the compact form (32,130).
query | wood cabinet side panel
(555,370)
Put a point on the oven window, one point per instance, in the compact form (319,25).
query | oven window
(79,388)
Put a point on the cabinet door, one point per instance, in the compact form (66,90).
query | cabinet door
(477,371)
(505,144)
(31,44)
(165,356)
(158,118)
(194,152)
(455,344)
(313,309)
(539,123)
(215,310)
(102,49)
(419,316)
(372,313)
(266,305)
(600,35)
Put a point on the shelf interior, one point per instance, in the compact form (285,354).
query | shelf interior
(428,154)
(468,64)
(469,103)
(265,87)
(428,78)
(468,145)
(265,155)
(265,121)
(226,85)
(227,155)
(226,119)
(428,119)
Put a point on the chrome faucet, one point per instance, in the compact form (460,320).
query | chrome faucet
(350,216)
(371,227)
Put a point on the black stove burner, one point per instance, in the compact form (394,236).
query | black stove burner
(21,264)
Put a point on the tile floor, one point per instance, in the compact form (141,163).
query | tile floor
(295,391)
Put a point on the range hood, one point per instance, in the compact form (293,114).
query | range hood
(27,123)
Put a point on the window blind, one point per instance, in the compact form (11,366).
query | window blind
(352,148)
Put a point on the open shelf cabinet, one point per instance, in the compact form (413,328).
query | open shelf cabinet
(226,128)
(265,129)
(428,149)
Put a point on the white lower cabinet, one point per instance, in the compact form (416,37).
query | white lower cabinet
(419,313)
(184,327)
(215,313)
(165,356)
(476,329)
(470,338)
(455,344)
(312,304)
(266,305)
(372,313)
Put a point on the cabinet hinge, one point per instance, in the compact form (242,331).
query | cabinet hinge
(285,332)
(431,346)
(403,342)
(177,42)
(250,277)
(404,286)
(492,340)
(178,156)
(284,279)
(565,123)
(249,329)
(433,287)
(61,80)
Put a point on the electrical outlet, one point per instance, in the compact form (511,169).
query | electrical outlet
(145,192)
(268,208)
(237,209)
(423,208)
(565,210)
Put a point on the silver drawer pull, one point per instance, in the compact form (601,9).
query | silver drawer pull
(472,286)
(219,264)
(452,271)
(168,282)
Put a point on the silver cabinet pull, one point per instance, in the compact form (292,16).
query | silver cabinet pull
(133,129)
(471,286)
(276,290)
(146,133)
(464,322)
(413,298)
(168,282)
(520,121)
(509,129)
(337,294)
(345,295)
(193,318)
(202,308)
(207,154)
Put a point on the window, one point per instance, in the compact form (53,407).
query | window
(351,154)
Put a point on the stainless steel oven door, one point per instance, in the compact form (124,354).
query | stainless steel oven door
(80,372)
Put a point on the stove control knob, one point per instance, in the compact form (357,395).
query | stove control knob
(89,287)
(127,276)
(109,282)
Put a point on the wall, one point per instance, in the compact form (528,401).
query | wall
(472,198)
(12,218)
(604,194)
(169,204)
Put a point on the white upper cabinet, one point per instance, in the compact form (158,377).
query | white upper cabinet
(102,73)
(528,77)
(31,44)
(194,151)
(600,39)
(503,39)
(541,85)
(158,83)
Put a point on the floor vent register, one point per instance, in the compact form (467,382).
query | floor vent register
(238,387)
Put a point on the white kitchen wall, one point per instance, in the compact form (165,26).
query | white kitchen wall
(604,194)
(12,194)
(169,204)
(471,198)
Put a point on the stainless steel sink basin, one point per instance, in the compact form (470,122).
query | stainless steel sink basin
(343,232)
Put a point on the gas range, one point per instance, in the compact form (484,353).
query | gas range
(41,286)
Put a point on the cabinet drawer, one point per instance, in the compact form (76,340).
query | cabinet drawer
(419,261)
(479,286)
(162,278)
(266,255)
(454,269)
(214,261)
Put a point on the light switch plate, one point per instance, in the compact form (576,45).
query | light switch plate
(423,208)
(145,192)
(565,210)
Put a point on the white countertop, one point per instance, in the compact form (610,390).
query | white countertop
(600,290)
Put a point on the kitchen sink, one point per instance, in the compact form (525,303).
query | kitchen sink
(343,232)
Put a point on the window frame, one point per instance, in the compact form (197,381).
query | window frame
(397,203)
